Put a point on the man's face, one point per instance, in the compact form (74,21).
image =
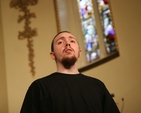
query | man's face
(66,49)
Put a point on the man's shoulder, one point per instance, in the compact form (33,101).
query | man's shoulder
(42,79)
(45,78)
(93,79)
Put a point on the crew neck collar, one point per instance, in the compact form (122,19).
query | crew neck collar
(69,74)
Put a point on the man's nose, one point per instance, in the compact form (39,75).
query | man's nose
(67,44)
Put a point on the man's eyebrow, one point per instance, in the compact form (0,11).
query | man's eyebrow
(72,37)
(64,37)
(60,38)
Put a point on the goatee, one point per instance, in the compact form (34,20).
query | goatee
(69,61)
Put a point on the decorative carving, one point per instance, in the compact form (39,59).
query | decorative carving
(28,33)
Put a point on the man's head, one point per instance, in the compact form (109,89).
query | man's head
(65,49)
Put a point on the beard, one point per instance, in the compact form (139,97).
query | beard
(68,61)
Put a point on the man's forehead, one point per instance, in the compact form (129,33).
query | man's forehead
(64,35)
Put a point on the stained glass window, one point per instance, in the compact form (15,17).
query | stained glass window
(88,25)
(92,23)
(107,25)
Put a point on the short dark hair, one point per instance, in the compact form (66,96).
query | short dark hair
(52,48)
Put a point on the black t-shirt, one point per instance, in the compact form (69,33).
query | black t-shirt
(68,93)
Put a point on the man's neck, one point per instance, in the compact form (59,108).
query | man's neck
(72,70)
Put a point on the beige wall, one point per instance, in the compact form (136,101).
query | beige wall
(121,75)
(18,74)
(3,85)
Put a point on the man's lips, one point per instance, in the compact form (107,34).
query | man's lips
(68,50)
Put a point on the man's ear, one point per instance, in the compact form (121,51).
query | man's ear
(80,52)
(52,55)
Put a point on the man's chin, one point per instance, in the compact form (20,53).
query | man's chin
(69,61)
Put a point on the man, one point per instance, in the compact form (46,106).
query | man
(67,90)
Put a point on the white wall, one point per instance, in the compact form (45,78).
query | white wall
(121,75)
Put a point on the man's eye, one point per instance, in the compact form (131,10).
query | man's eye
(60,42)
(72,41)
